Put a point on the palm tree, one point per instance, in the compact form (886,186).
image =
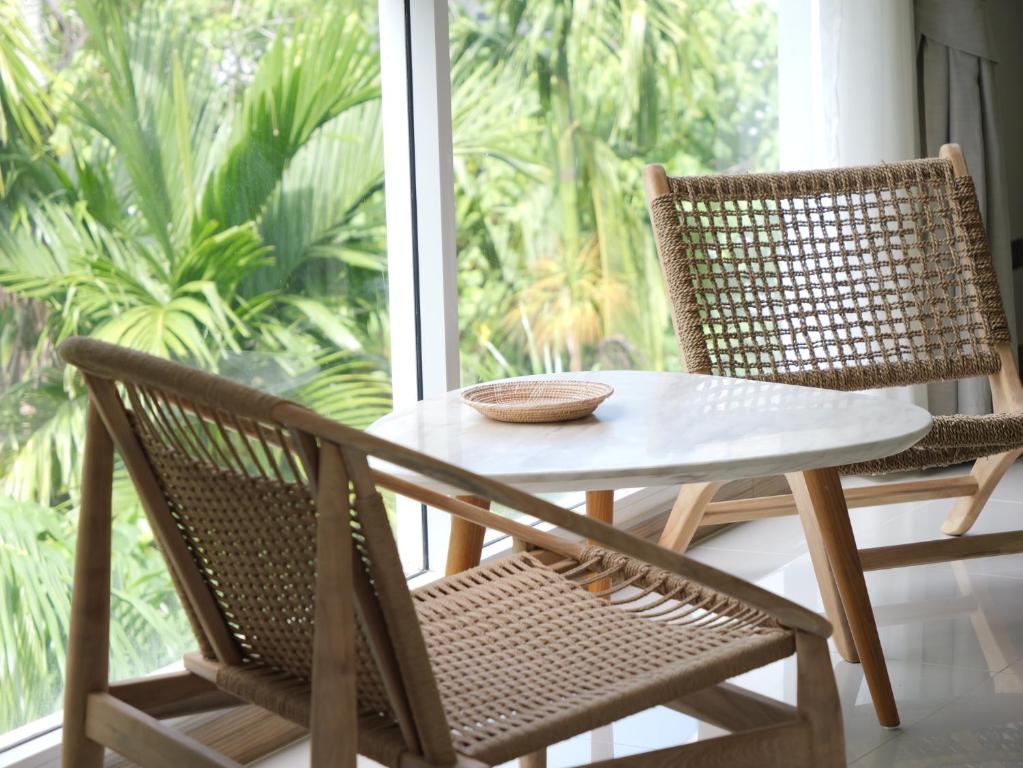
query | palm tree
(563,108)
(240,231)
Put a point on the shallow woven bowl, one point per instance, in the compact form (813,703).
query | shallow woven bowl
(537,401)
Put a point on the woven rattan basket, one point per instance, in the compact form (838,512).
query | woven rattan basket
(534,401)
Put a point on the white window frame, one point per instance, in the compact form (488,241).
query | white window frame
(415,81)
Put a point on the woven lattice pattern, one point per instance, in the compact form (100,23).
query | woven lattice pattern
(844,279)
(524,655)
(952,440)
(240,500)
(535,401)
(543,659)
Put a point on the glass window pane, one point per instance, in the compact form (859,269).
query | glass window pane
(556,111)
(199,179)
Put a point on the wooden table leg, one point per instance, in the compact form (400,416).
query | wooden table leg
(600,505)
(825,491)
(822,569)
(465,543)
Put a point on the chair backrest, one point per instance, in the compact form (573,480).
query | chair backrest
(230,493)
(844,279)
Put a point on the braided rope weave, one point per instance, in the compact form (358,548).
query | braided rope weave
(845,279)
(524,655)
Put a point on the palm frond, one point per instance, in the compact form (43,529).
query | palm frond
(327,66)
(329,203)
(24,102)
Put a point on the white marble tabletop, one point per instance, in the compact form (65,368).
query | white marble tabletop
(662,429)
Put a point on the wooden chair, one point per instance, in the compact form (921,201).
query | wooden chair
(278,541)
(846,279)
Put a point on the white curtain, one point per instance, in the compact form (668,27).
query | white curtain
(847,90)
(846,82)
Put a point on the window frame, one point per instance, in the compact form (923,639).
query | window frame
(419,192)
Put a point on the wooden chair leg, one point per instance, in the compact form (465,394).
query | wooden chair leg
(824,490)
(987,471)
(686,515)
(818,701)
(600,505)
(534,760)
(332,722)
(465,544)
(822,569)
(89,633)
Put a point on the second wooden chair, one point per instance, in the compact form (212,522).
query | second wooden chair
(848,279)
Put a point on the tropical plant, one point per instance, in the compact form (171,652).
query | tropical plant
(557,107)
(239,229)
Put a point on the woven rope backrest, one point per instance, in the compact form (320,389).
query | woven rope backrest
(844,279)
(243,509)
(237,486)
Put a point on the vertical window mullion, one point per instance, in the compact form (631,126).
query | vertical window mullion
(415,76)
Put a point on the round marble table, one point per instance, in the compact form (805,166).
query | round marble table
(676,428)
(662,429)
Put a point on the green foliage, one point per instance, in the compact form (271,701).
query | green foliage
(235,225)
(36,547)
(203,180)
(558,105)
(25,116)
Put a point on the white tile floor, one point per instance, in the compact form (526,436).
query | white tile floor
(952,635)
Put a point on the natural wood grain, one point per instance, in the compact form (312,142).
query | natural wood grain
(687,514)
(739,510)
(465,542)
(402,662)
(173,694)
(655,181)
(733,708)
(822,569)
(479,515)
(987,472)
(89,633)
(333,716)
(818,700)
(600,505)
(162,521)
(145,740)
(941,550)
(1006,387)
(954,154)
(789,613)
(243,734)
(198,665)
(534,760)
(824,489)
(365,573)
(837,563)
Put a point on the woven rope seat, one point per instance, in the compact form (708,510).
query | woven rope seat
(524,655)
(848,278)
